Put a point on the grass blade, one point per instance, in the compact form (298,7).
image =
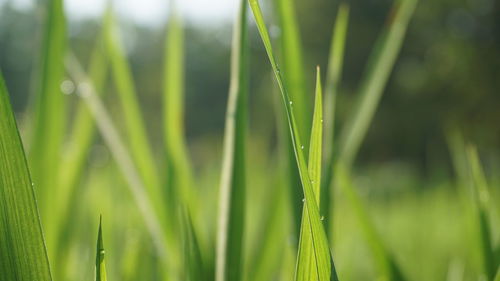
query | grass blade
(333,75)
(118,150)
(231,218)
(100,264)
(325,266)
(481,197)
(179,174)
(307,268)
(379,68)
(22,250)
(49,115)
(134,125)
(192,253)
(293,75)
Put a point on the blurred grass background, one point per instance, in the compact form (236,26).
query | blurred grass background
(445,79)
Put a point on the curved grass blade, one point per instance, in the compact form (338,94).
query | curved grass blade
(307,268)
(231,219)
(49,113)
(325,266)
(134,124)
(378,70)
(22,248)
(497,277)
(100,264)
(333,75)
(179,174)
(481,197)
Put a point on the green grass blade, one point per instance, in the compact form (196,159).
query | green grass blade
(333,76)
(325,266)
(134,124)
(293,73)
(307,268)
(122,157)
(179,173)
(192,253)
(100,264)
(231,218)
(49,114)
(481,197)
(387,266)
(379,68)
(497,277)
(22,250)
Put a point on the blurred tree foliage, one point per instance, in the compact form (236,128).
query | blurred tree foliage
(447,74)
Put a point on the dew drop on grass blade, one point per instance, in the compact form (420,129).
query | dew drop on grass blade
(23,255)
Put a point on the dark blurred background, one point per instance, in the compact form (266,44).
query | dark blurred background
(447,75)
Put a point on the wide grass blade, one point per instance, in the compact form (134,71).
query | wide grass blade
(22,248)
(307,268)
(100,264)
(231,220)
(136,131)
(179,174)
(333,76)
(49,117)
(481,197)
(378,70)
(325,266)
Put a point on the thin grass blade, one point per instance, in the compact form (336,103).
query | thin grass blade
(193,264)
(231,219)
(325,266)
(136,131)
(378,70)
(481,197)
(23,255)
(333,77)
(179,174)
(100,264)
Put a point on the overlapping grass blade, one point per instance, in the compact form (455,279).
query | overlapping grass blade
(22,249)
(179,174)
(49,117)
(325,266)
(379,68)
(136,131)
(231,219)
(193,263)
(307,267)
(333,75)
(112,139)
(100,264)
(74,160)
(481,197)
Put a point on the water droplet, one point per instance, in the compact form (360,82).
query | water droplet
(312,182)
(303,199)
(302,147)
(33,184)
(322,218)
(67,87)
(291,102)
(321,120)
